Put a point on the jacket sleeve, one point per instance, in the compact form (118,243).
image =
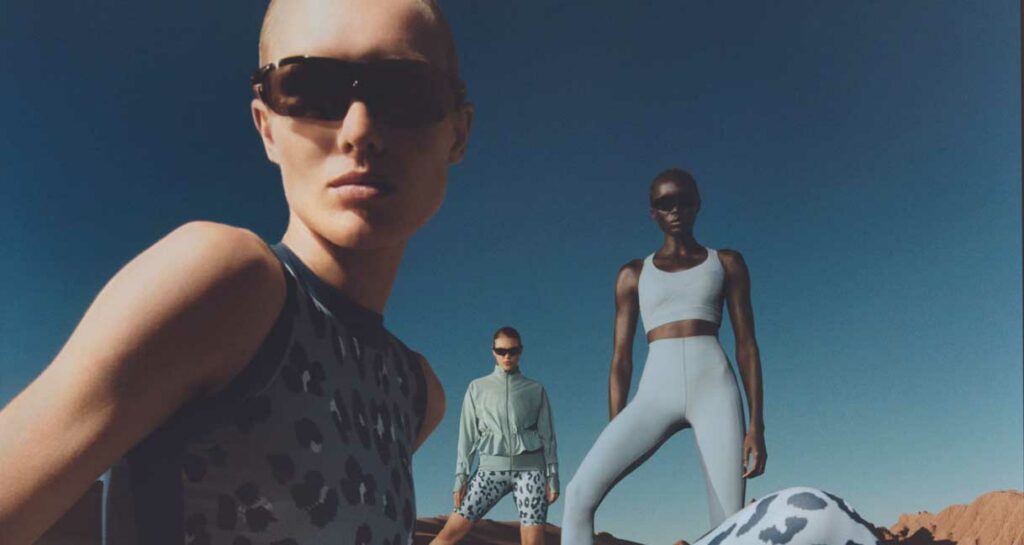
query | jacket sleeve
(546,431)
(467,440)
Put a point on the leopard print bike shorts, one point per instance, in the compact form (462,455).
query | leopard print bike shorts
(528,487)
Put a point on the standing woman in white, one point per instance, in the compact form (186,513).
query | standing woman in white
(687,381)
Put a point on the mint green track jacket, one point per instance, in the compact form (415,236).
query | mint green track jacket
(506,418)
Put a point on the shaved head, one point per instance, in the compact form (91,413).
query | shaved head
(677,176)
(426,22)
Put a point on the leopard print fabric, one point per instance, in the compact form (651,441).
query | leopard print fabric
(794,516)
(311,444)
(487,487)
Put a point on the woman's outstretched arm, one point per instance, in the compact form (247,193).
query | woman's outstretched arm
(181,319)
(748,357)
(627,307)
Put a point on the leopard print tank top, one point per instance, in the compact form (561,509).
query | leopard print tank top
(310,444)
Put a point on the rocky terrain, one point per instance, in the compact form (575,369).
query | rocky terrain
(995,518)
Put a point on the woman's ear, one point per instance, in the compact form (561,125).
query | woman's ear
(462,123)
(261,118)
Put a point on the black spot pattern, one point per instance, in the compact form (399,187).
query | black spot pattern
(275,474)
(380,419)
(398,423)
(390,509)
(721,537)
(401,379)
(793,527)
(380,373)
(320,500)
(850,512)
(195,530)
(256,509)
(337,346)
(281,467)
(358,488)
(486,488)
(342,421)
(806,500)
(759,512)
(360,419)
(302,375)
(308,435)
(357,351)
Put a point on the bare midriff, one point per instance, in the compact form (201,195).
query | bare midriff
(682,328)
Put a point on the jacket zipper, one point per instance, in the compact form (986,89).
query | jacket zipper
(508,424)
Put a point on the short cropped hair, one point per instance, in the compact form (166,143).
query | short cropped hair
(508,331)
(677,175)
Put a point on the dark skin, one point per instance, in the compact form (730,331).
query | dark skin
(679,204)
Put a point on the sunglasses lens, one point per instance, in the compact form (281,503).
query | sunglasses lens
(663,204)
(406,93)
(668,202)
(312,88)
(514,351)
(399,93)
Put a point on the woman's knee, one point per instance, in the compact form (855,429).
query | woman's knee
(577,500)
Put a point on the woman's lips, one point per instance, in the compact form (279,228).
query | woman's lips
(360,186)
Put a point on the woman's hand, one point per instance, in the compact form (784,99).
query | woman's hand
(458,495)
(753,446)
(552,496)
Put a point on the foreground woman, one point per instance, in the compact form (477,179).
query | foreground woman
(252,394)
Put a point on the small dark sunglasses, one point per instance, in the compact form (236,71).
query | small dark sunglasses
(666,203)
(514,351)
(398,92)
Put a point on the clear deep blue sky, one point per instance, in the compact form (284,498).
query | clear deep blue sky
(863,156)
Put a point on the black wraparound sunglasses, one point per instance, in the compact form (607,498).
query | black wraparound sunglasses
(514,351)
(400,93)
(667,202)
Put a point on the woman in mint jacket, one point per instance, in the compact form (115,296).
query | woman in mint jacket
(506,419)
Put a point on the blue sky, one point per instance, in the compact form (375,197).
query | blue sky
(863,156)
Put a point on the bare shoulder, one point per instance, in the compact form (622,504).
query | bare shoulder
(206,293)
(215,249)
(732,260)
(180,319)
(629,274)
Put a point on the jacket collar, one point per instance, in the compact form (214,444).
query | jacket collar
(501,373)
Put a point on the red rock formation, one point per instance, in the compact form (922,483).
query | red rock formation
(995,518)
(489,532)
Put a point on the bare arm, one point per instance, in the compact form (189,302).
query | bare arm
(435,403)
(748,357)
(181,318)
(627,307)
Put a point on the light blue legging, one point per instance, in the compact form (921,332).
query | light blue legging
(686,382)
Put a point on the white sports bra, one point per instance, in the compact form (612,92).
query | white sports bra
(690,294)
